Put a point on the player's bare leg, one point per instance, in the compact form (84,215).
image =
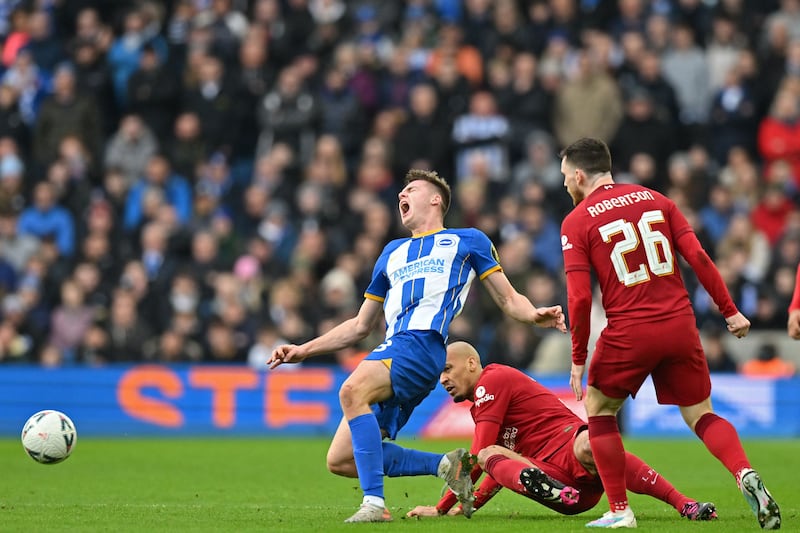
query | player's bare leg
(340,452)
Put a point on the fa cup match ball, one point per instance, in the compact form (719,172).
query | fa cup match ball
(49,437)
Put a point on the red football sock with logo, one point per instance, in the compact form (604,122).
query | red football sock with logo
(722,441)
(609,457)
(642,479)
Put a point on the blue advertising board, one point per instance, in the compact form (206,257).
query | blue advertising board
(237,400)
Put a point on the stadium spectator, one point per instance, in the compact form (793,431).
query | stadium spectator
(126,330)
(93,76)
(589,103)
(66,112)
(211,98)
(768,363)
(130,148)
(153,93)
(158,178)
(719,359)
(685,68)
(632,299)
(70,321)
(779,134)
(422,138)
(46,219)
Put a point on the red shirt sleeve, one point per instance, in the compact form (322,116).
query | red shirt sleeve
(691,249)
(795,305)
(579,305)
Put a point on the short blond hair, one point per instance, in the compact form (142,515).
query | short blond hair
(431,176)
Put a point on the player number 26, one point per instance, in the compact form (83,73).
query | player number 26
(656,247)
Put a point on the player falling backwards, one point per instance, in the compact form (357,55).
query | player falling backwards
(419,284)
(629,236)
(528,441)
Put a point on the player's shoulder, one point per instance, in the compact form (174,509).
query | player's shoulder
(499,372)
(394,244)
(463,232)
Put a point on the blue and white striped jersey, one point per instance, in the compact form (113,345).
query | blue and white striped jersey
(423,281)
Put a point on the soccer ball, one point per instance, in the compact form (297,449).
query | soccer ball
(49,437)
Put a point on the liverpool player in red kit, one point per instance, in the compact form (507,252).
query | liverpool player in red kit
(527,440)
(629,236)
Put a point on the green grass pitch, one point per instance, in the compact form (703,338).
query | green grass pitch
(237,484)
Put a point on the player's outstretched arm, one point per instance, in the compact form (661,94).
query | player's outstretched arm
(345,334)
(519,307)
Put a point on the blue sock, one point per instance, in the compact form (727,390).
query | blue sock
(368,454)
(399,461)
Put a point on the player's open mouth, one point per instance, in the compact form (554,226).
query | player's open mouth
(404,208)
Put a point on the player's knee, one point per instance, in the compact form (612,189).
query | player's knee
(487,452)
(349,395)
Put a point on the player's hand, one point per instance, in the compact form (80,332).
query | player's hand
(423,511)
(551,317)
(285,353)
(738,325)
(793,327)
(576,380)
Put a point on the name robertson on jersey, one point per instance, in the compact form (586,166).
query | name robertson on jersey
(422,266)
(619,201)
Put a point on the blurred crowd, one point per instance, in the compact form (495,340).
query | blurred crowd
(198,180)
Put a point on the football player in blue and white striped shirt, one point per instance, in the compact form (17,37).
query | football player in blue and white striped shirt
(419,284)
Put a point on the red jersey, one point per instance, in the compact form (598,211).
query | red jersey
(533,421)
(630,236)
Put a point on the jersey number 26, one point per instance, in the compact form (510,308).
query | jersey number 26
(633,236)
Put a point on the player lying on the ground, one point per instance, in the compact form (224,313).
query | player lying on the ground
(551,461)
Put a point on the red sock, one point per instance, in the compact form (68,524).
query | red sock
(642,479)
(609,457)
(722,441)
(506,471)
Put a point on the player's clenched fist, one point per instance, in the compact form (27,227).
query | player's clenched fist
(551,317)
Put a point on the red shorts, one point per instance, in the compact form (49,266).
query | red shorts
(670,351)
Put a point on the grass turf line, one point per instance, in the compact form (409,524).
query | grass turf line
(237,484)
